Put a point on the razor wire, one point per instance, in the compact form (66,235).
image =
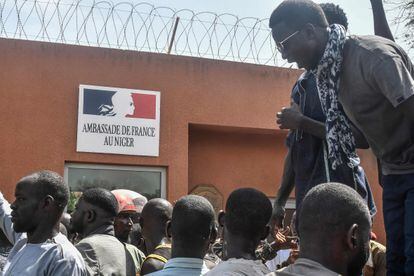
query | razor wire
(140,27)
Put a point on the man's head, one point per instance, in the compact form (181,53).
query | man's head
(125,218)
(123,225)
(154,217)
(334,223)
(247,214)
(96,207)
(192,227)
(40,199)
(334,14)
(299,30)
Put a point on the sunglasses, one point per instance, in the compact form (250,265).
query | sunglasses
(280,45)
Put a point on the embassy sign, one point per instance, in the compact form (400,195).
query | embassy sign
(118,121)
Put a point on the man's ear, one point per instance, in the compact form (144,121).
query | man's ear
(90,215)
(47,202)
(265,232)
(352,236)
(309,31)
(221,218)
(168,229)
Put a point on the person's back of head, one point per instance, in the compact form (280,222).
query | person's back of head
(136,239)
(247,214)
(154,217)
(334,14)
(95,208)
(297,13)
(192,227)
(334,227)
(102,199)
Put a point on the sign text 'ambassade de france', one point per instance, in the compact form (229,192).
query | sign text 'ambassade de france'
(118,120)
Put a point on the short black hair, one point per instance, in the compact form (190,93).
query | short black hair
(335,14)
(103,199)
(297,13)
(49,183)
(193,219)
(329,209)
(248,211)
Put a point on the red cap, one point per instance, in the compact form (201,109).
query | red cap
(125,203)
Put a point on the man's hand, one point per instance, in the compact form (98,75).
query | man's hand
(282,241)
(289,117)
(276,221)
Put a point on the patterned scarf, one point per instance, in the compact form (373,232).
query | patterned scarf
(341,142)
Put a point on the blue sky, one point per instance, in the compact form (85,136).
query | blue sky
(129,28)
(358,11)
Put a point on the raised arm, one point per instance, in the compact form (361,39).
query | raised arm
(283,193)
(381,26)
(6,223)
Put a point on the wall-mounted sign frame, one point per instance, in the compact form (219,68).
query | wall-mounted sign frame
(118,121)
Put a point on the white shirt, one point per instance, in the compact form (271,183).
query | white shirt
(56,256)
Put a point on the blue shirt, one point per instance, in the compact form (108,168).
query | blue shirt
(183,267)
(309,153)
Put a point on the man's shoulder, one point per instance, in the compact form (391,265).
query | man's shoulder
(100,245)
(65,245)
(99,240)
(372,47)
(57,255)
(134,250)
(305,266)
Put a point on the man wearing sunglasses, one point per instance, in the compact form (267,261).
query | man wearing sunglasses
(308,163)
(371,80)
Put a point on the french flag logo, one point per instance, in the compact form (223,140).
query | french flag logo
(119,104)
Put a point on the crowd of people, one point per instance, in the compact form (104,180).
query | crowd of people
(355,92)
(179,239)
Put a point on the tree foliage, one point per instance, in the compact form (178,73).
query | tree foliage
(404,19)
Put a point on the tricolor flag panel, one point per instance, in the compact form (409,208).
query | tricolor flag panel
(119,104)
(118,120)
